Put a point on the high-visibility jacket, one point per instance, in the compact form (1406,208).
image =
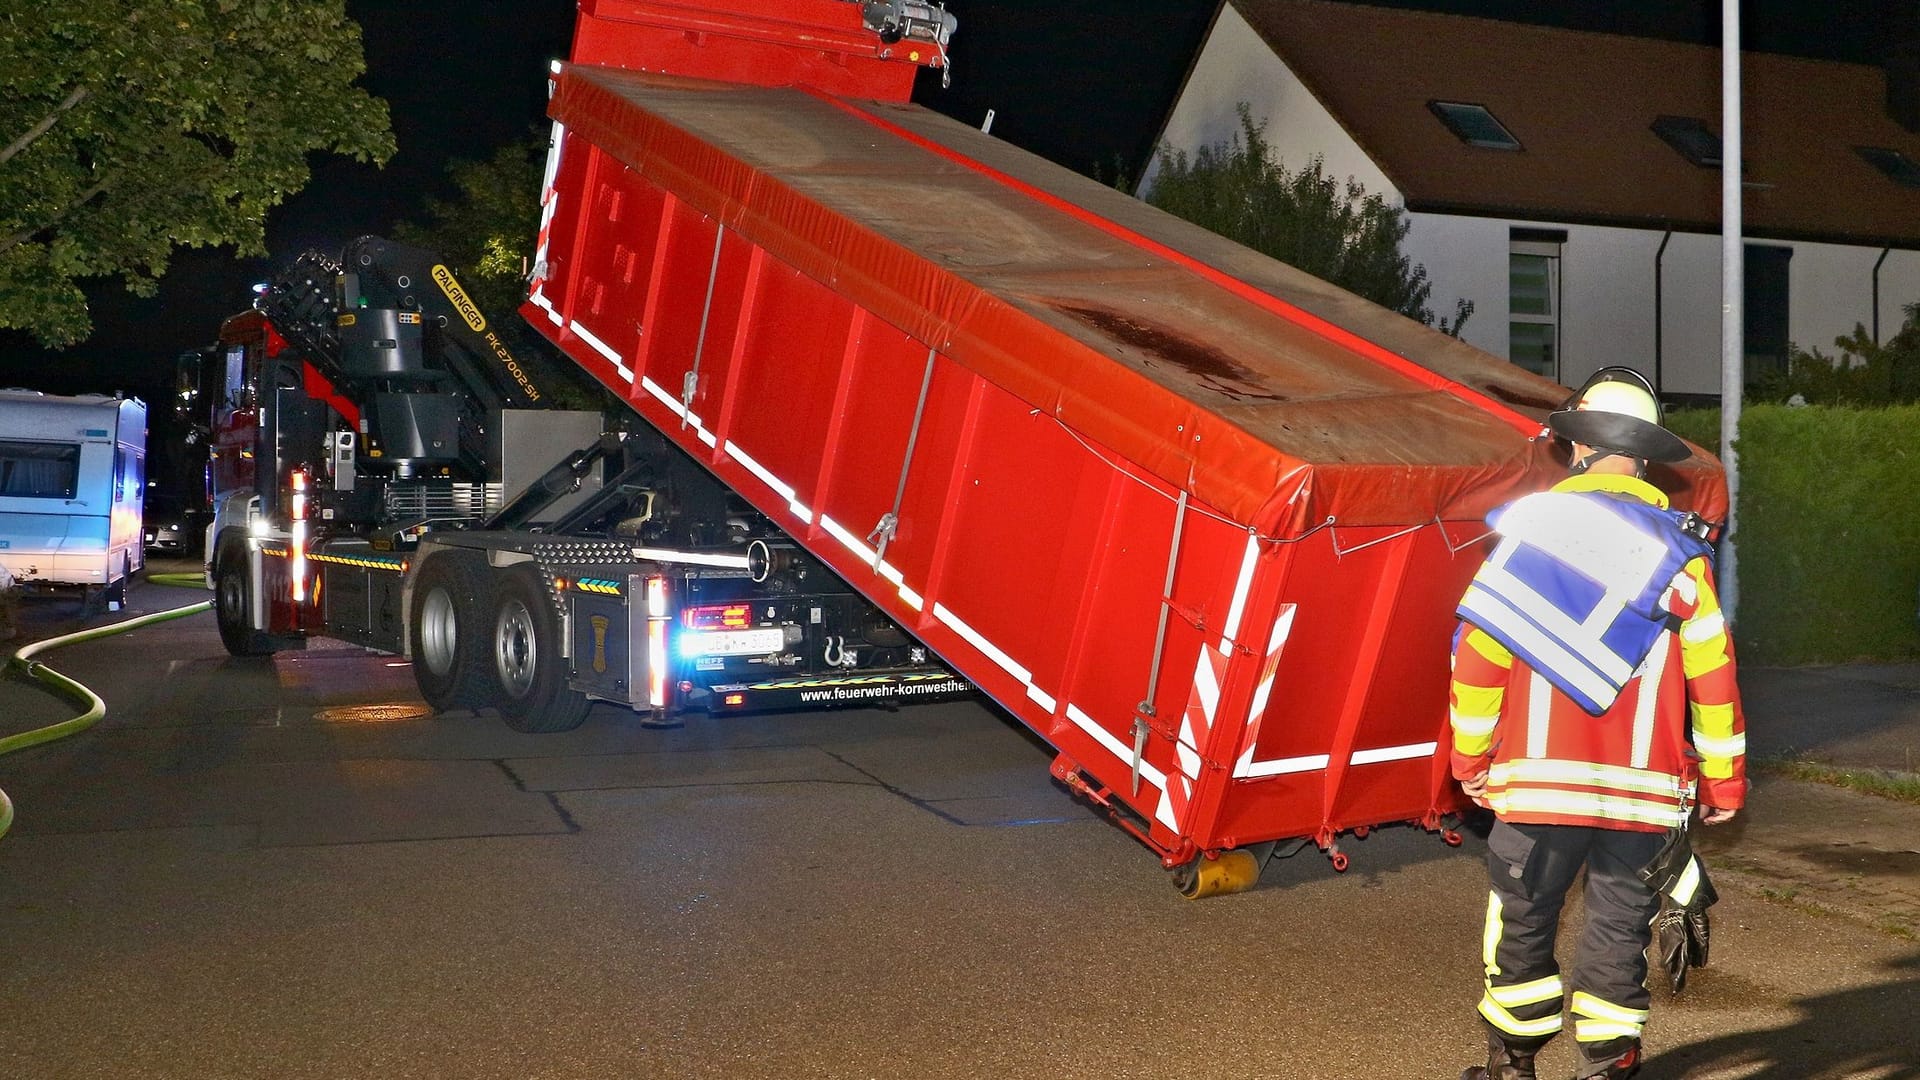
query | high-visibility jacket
(1675,731)
(1577,584)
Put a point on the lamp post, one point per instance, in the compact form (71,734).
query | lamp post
(1732,292)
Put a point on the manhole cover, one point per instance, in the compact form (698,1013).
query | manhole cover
(372,714)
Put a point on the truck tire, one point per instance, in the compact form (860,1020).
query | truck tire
(233,602)
(444,626)
(529,672)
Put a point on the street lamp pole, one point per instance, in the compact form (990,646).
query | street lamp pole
(1732,292)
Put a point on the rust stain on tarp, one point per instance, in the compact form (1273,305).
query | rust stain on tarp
(1215,370)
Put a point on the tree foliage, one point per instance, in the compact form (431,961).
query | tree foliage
(130,126)
(1303,217)
(1861,372)
(487,229)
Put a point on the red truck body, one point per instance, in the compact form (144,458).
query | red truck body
(1196,518)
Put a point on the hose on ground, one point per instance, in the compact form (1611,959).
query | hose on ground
(23,664)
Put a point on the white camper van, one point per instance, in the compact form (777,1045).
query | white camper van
(72,474)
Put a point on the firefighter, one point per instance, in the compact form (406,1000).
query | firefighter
(1592,705)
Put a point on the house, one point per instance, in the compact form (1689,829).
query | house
(1568,182)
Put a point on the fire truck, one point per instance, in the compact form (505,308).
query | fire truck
(1197,519)
(385,470)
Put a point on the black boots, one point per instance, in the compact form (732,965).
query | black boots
(1621,1068)
(1502,1064)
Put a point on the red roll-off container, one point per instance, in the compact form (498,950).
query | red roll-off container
(1198,519)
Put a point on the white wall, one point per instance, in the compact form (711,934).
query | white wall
(1606,294)
(1465,257)
(1899,286)
(1236,66)
(1830,288)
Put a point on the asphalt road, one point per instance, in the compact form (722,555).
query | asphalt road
(244,872)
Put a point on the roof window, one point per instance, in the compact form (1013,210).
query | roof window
(1474,125)
(1899,168)
(1690,136)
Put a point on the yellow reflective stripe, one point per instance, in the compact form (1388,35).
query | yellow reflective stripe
(1484,644)
(1490,939)
(1512,1025)
(1687,884)
(1714,737)
(1478,700)
(1584,774)
(1595,1031)
(1585,1004)
(1472,724)
(1472,746)
(1703,628)
(1586,804)
(1713,734)
(1527,993)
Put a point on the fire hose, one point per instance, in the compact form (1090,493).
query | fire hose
(23,664)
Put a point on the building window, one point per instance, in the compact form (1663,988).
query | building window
(1767,300)
(1533,301)
(1474,125)
(1897,166)
(1689,135)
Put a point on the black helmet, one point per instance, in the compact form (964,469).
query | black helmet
(1617,410)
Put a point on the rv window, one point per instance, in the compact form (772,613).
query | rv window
(39,470)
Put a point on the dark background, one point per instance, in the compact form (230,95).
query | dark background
(1082,82)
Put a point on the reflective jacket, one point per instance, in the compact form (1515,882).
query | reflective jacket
(1675,728)
(1577,586)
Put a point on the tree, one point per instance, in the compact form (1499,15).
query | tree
(486,231)
(1862,373)
(1303,217)
(130,126)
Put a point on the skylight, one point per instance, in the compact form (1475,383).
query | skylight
(1899,168)
(1690,136)
(1474,125)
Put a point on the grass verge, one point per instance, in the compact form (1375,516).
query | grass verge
(1898,786)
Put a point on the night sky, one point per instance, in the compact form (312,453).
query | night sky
(1082,82)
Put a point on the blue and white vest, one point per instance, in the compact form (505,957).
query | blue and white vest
(1575,586)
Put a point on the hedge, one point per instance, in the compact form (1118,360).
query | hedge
(1828,529)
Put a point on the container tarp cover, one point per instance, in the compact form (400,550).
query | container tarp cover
(1277,399)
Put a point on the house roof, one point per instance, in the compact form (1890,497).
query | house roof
(1582,105)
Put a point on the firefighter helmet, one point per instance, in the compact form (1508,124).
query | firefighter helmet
(1616,410)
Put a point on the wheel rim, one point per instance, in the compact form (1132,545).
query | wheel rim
(439,630)
(233,599)
(515,653)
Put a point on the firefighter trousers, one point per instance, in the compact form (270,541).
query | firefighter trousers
(1531,868)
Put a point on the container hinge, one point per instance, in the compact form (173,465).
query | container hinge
(889,522)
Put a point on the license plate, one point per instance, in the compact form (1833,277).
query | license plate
(732,642)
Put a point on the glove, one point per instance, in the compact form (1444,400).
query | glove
(1682,936)
(1671,945)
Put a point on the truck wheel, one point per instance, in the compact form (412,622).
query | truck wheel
(443,623)
(531,676)
(233,605)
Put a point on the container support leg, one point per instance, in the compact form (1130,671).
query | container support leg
(1146,707)
(890,520)
(692,381)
